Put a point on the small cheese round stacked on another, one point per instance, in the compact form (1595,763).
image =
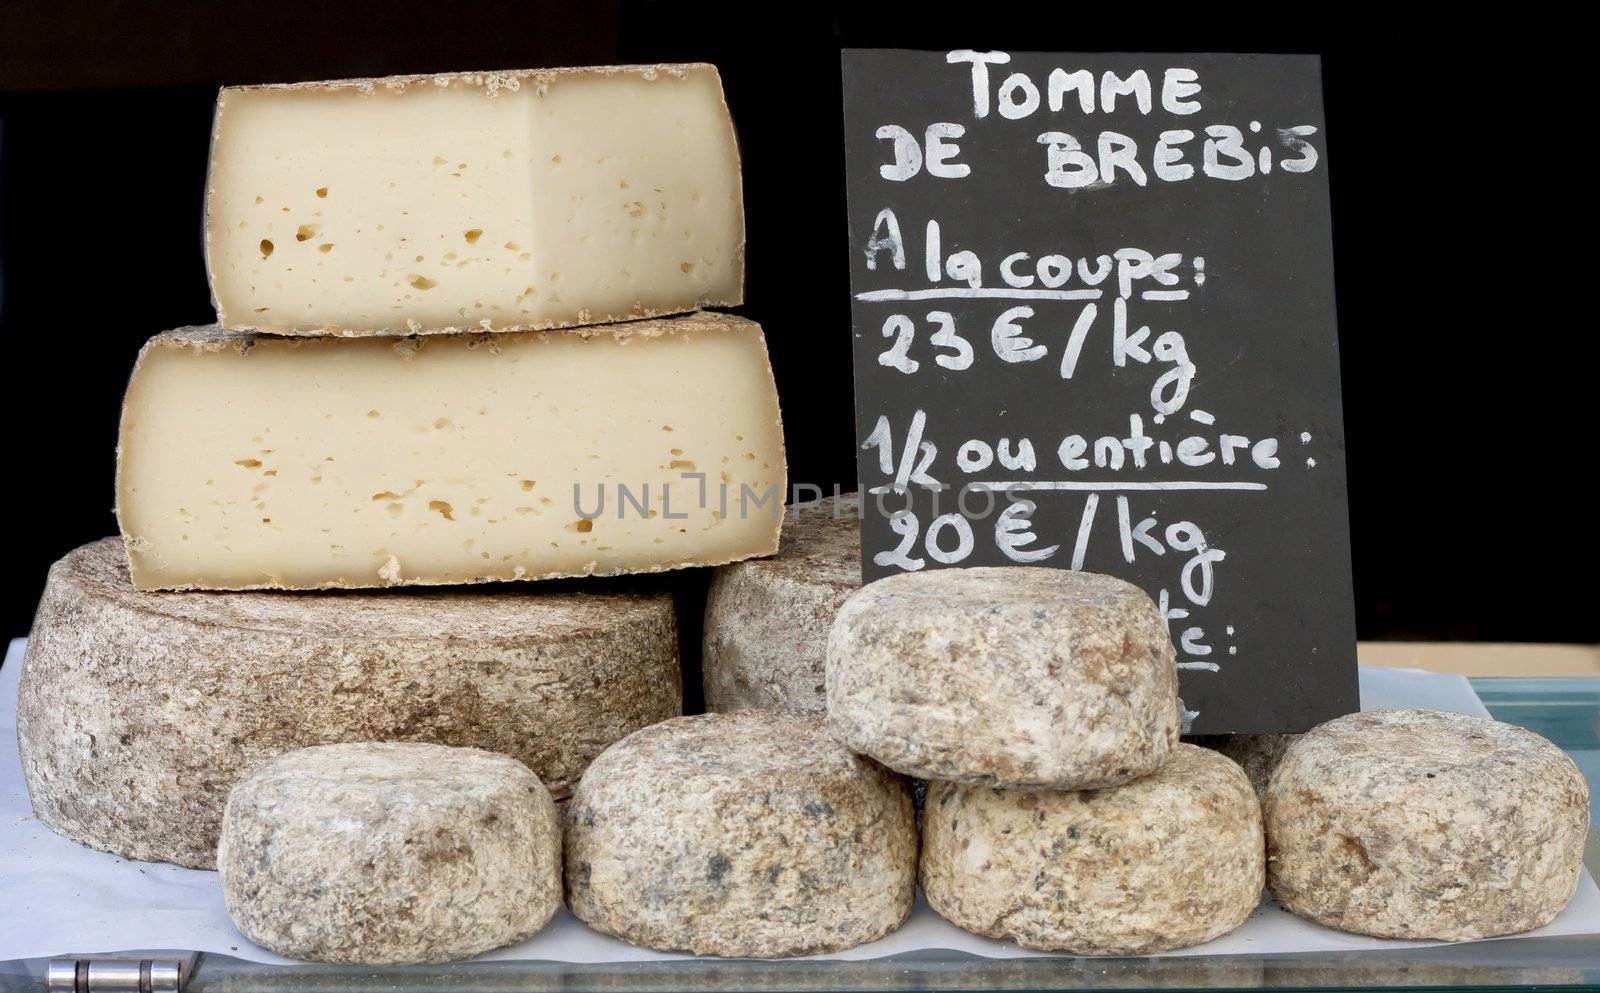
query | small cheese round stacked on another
(752,834)
(1017,677)
(767,620)
(139,711)
(1043,704)
(1422,824)
(1169,860)
(377,854)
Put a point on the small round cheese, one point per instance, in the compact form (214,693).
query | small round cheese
(138,711)
(751,834)
(387,853)
(1022,676)
(1170,860)
(767,620)
(1428,825)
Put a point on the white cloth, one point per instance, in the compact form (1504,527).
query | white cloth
(59,898)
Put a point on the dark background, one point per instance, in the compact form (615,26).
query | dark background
(1466,332)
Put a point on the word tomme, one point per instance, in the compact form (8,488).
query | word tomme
(1019,95)
(1217,151)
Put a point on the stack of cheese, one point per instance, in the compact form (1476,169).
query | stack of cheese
(364,417)
(1061,812)
(439,360)
(1042,706)
(413,384)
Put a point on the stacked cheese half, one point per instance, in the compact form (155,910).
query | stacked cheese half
(384,402)
(445,355)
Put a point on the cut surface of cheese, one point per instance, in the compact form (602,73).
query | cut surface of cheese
(474,201)
(267,462)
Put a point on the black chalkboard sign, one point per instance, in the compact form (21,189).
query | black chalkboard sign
(1094,328)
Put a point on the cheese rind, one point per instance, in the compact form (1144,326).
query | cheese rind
(137,712)
(1169,860)
(265,462)
(1257,754)
(1421,824)
(383,853)
(474,201)
(754,834)
(1019,676)
(767,620)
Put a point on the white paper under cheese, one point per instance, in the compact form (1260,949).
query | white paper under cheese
(474,201)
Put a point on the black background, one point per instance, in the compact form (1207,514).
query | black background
(1277,615)
(1466,331)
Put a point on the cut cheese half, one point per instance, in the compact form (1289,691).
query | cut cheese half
(467,202)
(267,462)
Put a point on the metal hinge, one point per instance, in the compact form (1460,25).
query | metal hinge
(114,975)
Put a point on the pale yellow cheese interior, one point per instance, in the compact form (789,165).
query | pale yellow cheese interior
(474,202)
(300,463)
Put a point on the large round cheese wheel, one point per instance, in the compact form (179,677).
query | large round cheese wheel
(388,853)
(767,620)
(1427,825)
(1169,860)
(752,834)
(1018,677)
(139,711)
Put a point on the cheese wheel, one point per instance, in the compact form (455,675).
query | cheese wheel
(1427,825)
(751,834)
(138,711)
(1257,754)
(388,853)
(1022,676)
(767,620)
(1170,860)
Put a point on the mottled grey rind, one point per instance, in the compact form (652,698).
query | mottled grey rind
(138,711)
(1426,825)
(752,834)
(767,620)
(381,854)
(1257,754)
(1167,861)
(1020,676)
